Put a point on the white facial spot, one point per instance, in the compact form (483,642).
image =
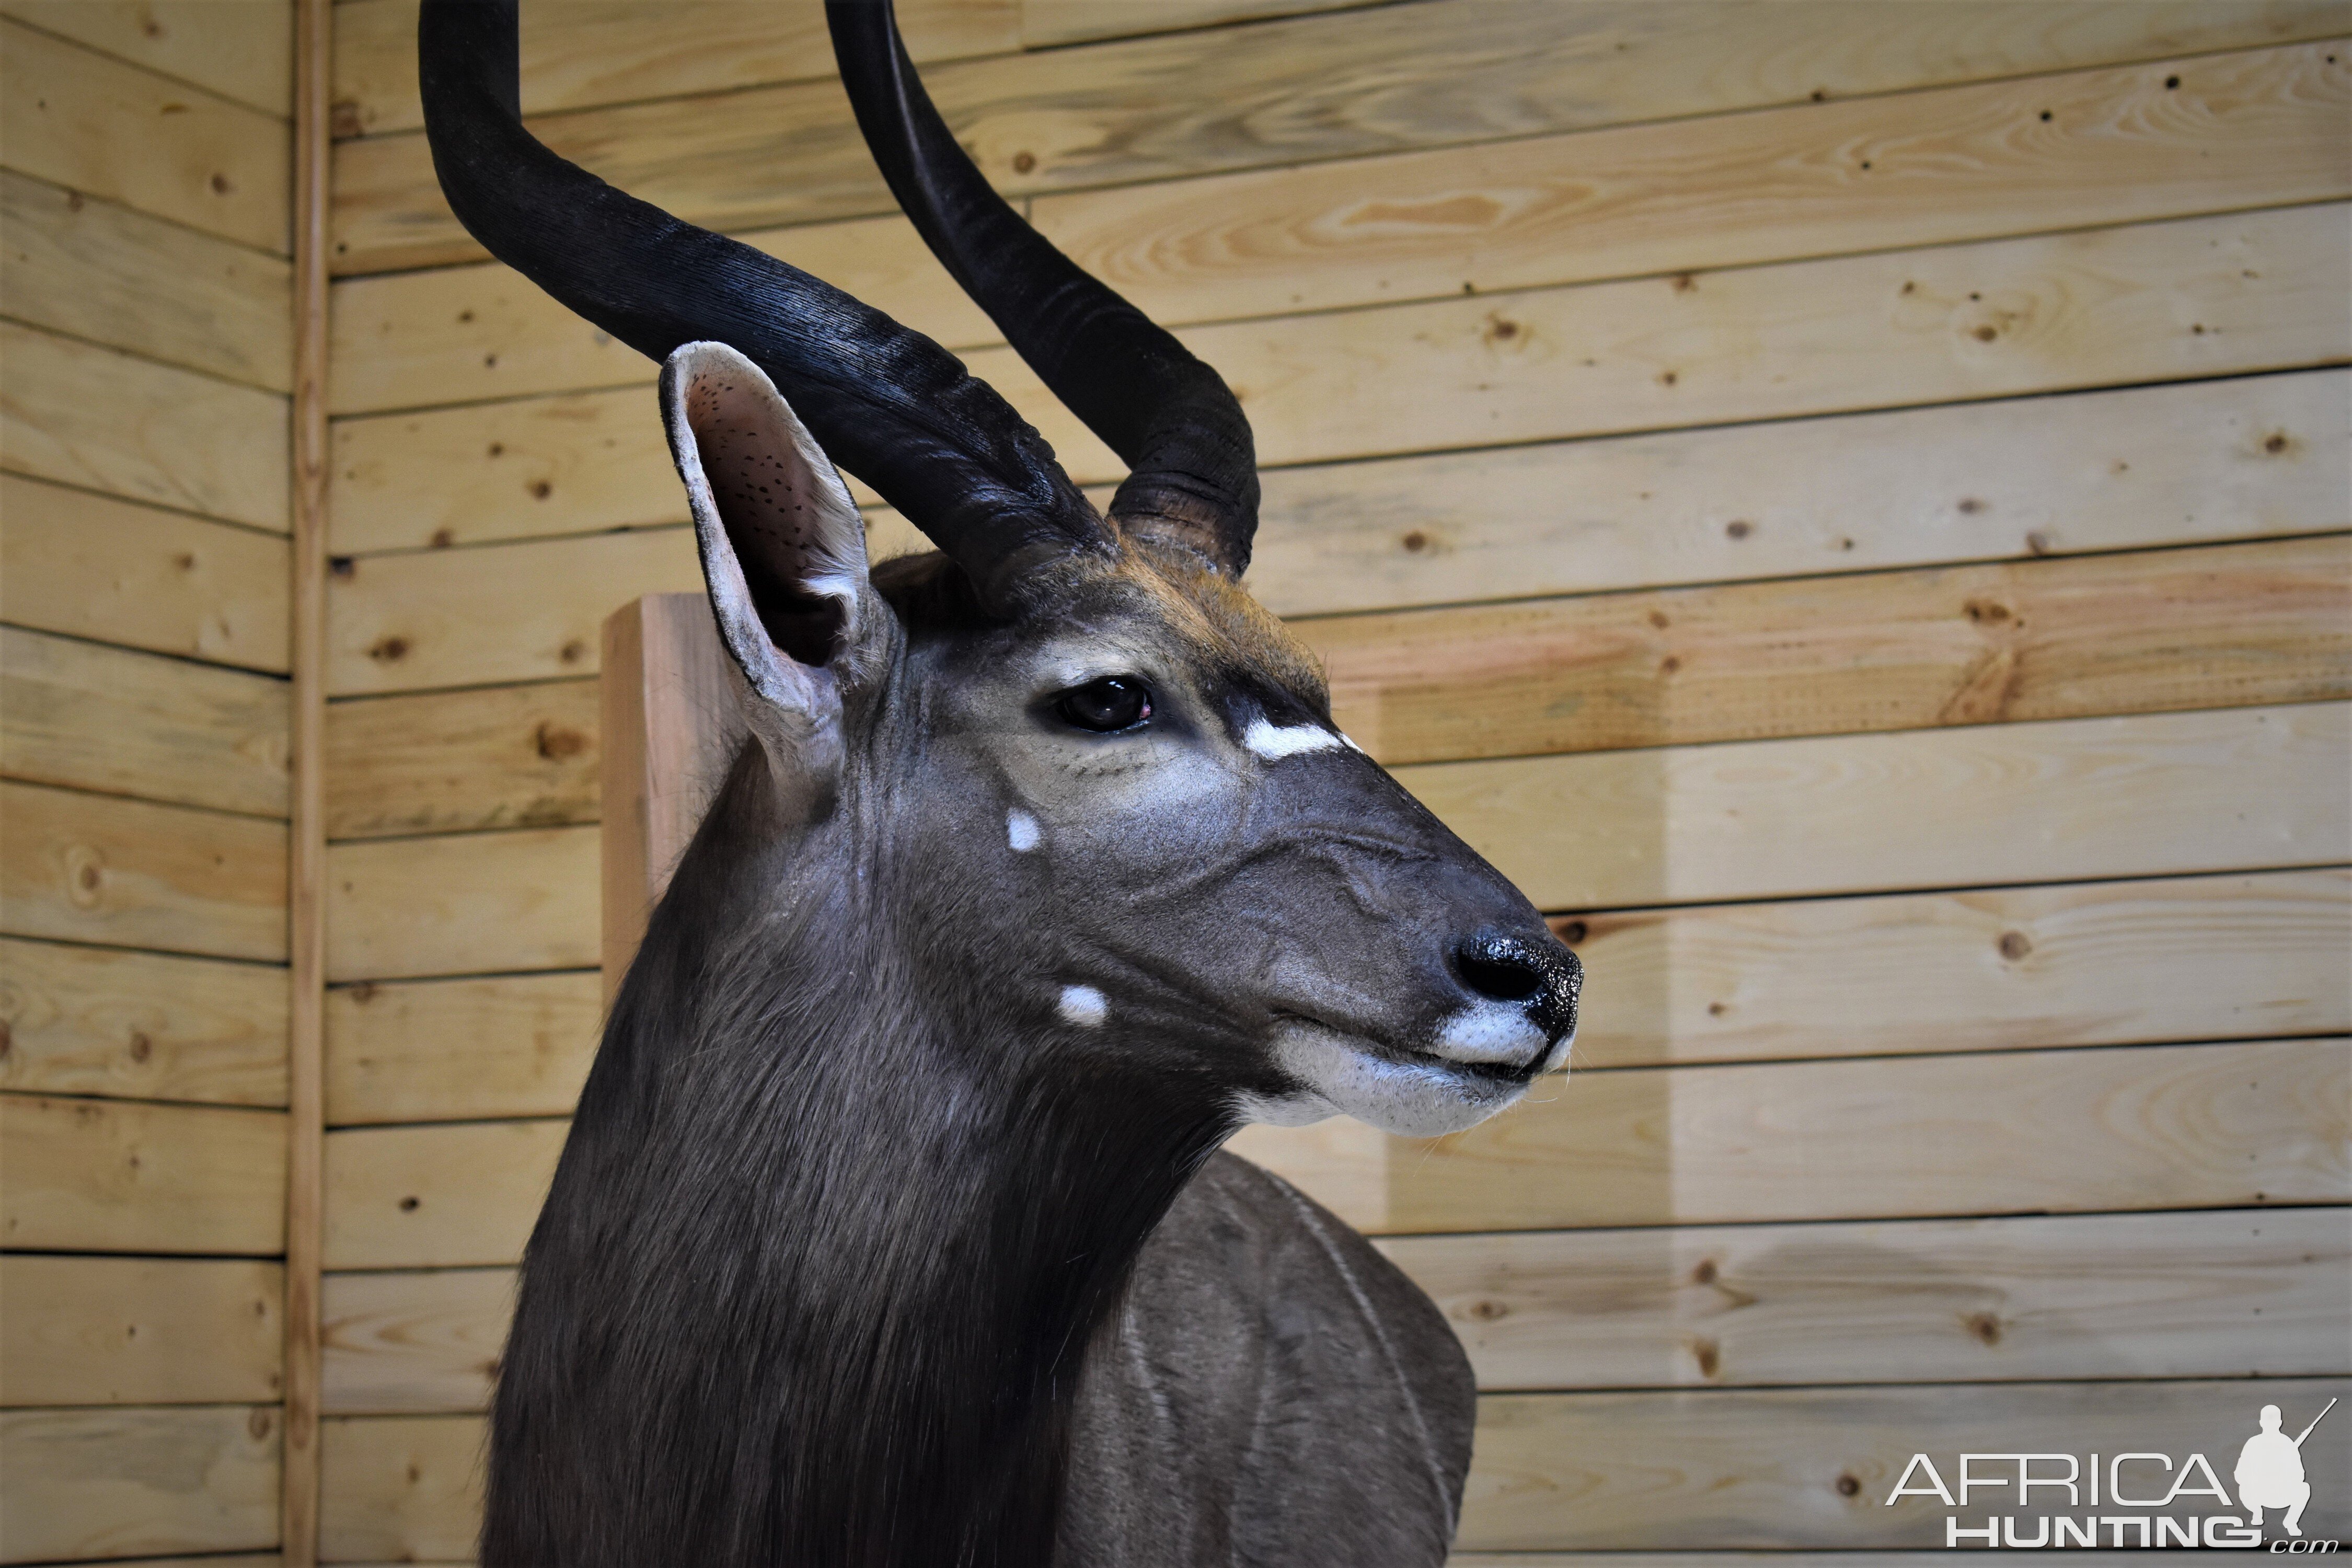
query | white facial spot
(1083,1005)
(1021,830)
(1493,1034)
(1274,742)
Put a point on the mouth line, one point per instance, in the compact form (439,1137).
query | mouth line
(1494,1074)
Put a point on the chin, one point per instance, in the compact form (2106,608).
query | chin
(1343,1074)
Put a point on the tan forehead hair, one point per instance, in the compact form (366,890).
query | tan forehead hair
(1231,627)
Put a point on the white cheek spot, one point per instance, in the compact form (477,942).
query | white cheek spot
(1021,830)
(1274,742)
(1083,1005)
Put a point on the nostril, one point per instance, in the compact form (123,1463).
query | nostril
(1493,969)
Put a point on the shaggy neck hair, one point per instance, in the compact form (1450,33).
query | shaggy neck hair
(828,1239)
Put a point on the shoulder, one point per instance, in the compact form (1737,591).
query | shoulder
(1276,1382)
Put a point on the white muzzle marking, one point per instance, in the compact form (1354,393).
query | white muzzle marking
(1274,742)
(1490,1034)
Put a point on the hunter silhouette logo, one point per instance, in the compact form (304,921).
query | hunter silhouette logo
(2140,1498)
(2270,1471)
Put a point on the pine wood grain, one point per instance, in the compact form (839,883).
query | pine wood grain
(446,1050)
(1047,23)
(2098,471)
(91,717)
(1756,1468)
(2139,796)
(92,270)
(78,119)
(517,756)
(402,623)
(579,53)
(400,1488)
(115,1482)
(2163,302)
(140,1331)
(2223,1294)
(410,340)
(2190,958)
(467,904)
(106,421)
(2231,1293)
(1308,90)
(2120,1127)
(235,48)
(91,566)
(141,1025)
(2166,138)
(95,1175)
(2222,626)
(436,1197)
(124,873)
(415,1343)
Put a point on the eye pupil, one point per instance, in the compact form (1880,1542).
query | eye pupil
(1114,703)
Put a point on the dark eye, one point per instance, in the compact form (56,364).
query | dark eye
(1114,703)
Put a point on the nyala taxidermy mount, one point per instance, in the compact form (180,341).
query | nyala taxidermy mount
(892,1230)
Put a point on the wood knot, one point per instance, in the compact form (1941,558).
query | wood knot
(1669,664)
(498,449)
(572,652)
(141,1047)
(258,1423)
(1686,284)
(555,742)
(1024,163)
(2014,945)
(1971,506)
(363,993)
(1488,1310)
(540,489)
(1658,619)
(409,1205)
(1985,1326)
(1739,528)
(1416,541)
(343,120)
(221,186)
(1500,328)
(1704,1273)
(1668,377)
(1716,1009)
(1986,612)
(1986,334)
(443,538)
(1570,932)
(2276,442)
(389,650)
(1709,1356)
(342,567)
(7,1037)
(2037,542)
(1847,1486)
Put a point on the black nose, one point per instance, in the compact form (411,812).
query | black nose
(1541,976)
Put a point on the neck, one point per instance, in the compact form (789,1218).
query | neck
(820,1266)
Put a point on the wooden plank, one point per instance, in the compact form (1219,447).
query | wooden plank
(92,270)
(415,1343)
(2119,1128)
(2164,301)
(400,623)
(2232,1293)
(123,873)
(140,1331)
(515,756)
(105,421)
(2191,958)
(579,53)
(78,119)
(2166,138)
(436,1197)
(141,1025)
(2102,470)
(112,1483)
(671,732)
(460,333)
(468,904)
(2047,476)
(1771,1469)
(95,1175)
(445,1050)
(2221,627)
(1382,79)
(1785,1559)
(404,1488)
(91,566)
(2135,797)
(97,718)
(1047,23)
(235,48)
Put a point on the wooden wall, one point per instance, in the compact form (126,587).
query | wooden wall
(1847,504)
(144,366)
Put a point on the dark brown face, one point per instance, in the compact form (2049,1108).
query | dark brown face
(1120,811)
(1155,841)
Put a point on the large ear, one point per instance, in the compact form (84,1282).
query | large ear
(783,550)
